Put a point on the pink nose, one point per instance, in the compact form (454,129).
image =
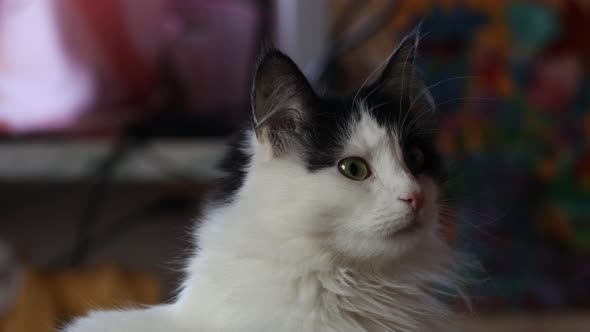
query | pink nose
(414,199)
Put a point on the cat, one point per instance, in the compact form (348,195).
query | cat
(328,218)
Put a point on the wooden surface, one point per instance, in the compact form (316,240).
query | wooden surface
(541,322)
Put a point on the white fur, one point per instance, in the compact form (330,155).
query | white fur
(299,251)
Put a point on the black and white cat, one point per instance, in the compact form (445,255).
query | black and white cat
(329,219)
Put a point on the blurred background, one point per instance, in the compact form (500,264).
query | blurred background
(113,114)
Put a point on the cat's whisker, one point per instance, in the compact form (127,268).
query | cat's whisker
(428,88)
(492,218)
(454,100)
(463,209)
(477,227)
(415,120)
(372,91)
(369,78)
(401,98)
(378,105)
(413,52)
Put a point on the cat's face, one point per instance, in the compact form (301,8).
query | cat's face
(384,190)
(359,174)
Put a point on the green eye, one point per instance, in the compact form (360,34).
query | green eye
(354,168)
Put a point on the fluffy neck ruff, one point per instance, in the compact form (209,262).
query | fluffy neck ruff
(325,294)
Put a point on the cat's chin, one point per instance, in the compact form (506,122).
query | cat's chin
(403,240)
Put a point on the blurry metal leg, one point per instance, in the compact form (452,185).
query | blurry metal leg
(99,187)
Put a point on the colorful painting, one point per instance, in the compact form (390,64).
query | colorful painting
(512,83)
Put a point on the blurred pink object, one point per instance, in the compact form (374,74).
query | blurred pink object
(41,85)
(60,59)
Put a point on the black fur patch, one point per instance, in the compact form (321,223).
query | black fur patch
(233,166)
(327,130)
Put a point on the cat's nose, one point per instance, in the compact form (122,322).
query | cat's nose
(414,199)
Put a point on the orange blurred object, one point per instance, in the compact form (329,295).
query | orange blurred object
(50,298)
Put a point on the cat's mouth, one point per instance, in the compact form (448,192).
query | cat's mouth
(412,225)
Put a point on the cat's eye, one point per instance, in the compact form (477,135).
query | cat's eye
(415,159)
(354,168)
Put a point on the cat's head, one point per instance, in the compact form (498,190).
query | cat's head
(358,174)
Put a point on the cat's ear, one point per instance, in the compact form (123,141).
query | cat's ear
(281,97)
(400,76)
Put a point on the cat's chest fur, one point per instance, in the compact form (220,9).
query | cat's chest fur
(261,296)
